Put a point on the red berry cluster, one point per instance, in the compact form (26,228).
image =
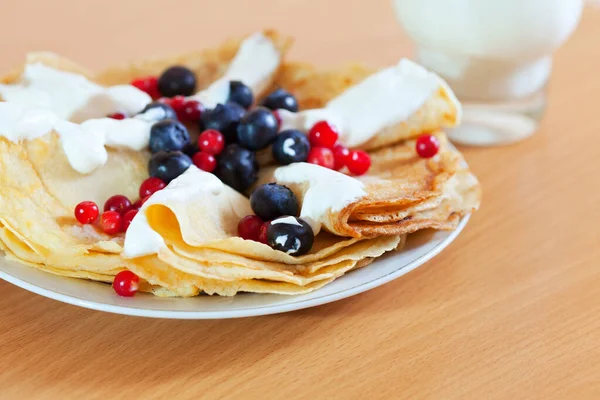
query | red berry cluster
(187,110)
(118,209)
(327,152)
(148,84)
(210,144)
(252,227)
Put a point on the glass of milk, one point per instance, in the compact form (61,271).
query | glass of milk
(495,54)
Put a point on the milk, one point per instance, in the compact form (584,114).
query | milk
(495,54)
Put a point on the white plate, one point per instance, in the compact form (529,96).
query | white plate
(420,248)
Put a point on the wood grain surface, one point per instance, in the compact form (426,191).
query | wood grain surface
(509,310)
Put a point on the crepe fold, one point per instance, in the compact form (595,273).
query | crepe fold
(39,188)
(199,251)
(403,193)
(315,88)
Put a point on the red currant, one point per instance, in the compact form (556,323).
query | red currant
(323,134)
(358,162)
(321,156)
(177,103)
(86,212)
(341,155)
(211,141)
(277,117)
(249,227)
(127,218)
(118,203)
(110,222)
(189,111)
(151,186)
(117,115)
(148,84)
(126,283)
(262,233)
(142,201)
(204,161)
(427,146)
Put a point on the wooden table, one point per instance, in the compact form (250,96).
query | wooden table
(510,310)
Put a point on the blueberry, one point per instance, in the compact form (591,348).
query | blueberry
(168,165)
(257,129)
(190,149)
(281,98)
(168,135)
(237,167)
(177,81)
(240,94)
(224,118)
(291,235)
(167,111)
(271,201)
(291,146)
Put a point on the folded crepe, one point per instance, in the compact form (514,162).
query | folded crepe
(40,188)
(413,101)
(402,193)
(185,239)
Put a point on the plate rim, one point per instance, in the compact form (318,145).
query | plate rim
(247,312)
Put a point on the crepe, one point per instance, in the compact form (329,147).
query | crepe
(402,193)
(40,189)
(315,88)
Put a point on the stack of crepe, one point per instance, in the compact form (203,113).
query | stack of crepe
(200,250)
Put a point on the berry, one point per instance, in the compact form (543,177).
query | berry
(358,162)
(110,222)
(278,118)
(126,283)
(151,186)
(341,156)
(262,233)
(168,135)
(117,115)
(148,84)
(127,218)
(190,149)
(257,129)
(190,111)
(281,99)
(321,156)
(224,118)
(290,146)
(211,141)
(271,201)
(249,227)
(118,203)
(427,146)
(205,161)
(291,235)
(176,102)
(168,165)
(241,94)
(158,111)
(177,80)
(237,167)
(140,202)
(86,212)
(323,134)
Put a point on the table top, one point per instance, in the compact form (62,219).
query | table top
(511,309)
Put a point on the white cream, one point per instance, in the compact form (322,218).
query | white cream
(383,99)
(322,191)
(72,96)
(83,144)
(286,220)
(256,61)
(141,239)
